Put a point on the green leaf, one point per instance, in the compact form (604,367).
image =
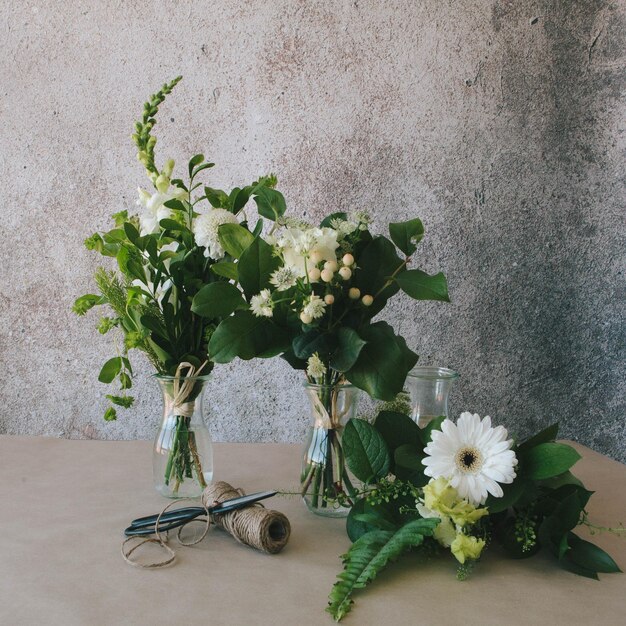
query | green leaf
(201,168)
(348,349)
(245,336)
(547,435)
(195,160)
(110,414)
(124,401)
(397,430)
(421,286)
(312,341)
(426,433)
(566,478)
(110,370)
(234,239)
(383,363)
(369,555)
(216,197)
(409,457)
(590,556)
(85,303)
(131,232)
(548,459)
(365,451)
(375,520)
(270,203)
(256,265)
(227,269)
(407,234)
(512,493)
(175,204)
(240,200)
(217,300)
(173,225)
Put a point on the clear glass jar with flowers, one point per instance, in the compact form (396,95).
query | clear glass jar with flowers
(313,293)
(173,285)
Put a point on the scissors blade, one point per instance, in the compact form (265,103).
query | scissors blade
(238,503)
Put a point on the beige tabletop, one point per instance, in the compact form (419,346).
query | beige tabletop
(65,504)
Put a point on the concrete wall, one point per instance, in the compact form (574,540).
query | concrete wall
(500,124)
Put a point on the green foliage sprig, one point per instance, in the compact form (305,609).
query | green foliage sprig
(538,511)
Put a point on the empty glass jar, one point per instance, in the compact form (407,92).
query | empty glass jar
(429,387)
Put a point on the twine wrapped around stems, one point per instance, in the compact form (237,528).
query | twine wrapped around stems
(254,526)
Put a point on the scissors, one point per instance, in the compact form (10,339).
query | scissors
(179,517)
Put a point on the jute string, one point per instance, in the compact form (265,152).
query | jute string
(254,526)
(182,391)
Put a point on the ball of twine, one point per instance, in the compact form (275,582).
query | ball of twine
(254,526)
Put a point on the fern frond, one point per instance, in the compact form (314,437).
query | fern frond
(369,555)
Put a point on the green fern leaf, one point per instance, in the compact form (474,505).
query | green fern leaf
(369,555)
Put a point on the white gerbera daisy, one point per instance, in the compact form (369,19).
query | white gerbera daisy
(473,456)
(314,307)
(261,304)
(284,278)
(205,228)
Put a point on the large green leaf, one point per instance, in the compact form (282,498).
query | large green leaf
(365,450)
(397,429)
(409,457)
(256,264)
(217,300)
(406,235)
(589,556)
(377,262)
(270,203)
(245,336)
(421,286)
(548,459)
(348,349)
(306,344)
(234,239)
(110,370)
(227,269)
(383,363)
(547,435)
(369,555)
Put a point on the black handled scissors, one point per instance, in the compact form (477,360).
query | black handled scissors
(179,517)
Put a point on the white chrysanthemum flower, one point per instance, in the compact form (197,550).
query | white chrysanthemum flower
(284,278)
(154,210)
(261,304)
(473,456)
(315,367)
(314,307)
(296,247)
(205,228)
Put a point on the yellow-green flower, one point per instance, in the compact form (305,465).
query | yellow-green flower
(442,498)
(466,547)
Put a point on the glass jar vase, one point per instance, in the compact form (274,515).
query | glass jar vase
(326,483)
(429,388)
(182,458)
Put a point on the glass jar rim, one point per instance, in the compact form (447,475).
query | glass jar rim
(433,372)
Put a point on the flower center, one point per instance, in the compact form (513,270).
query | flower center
(469,460)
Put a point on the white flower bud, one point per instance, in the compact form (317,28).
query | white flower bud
(367,300)
(348,259)
(354,293)
(329,298)
(162,183)
(305,318)
(314,274)
(327,275)
(331,265)
(345,273)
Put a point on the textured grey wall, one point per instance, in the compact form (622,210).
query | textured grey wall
(501,124)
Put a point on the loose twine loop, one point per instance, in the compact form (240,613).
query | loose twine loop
(254,526)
